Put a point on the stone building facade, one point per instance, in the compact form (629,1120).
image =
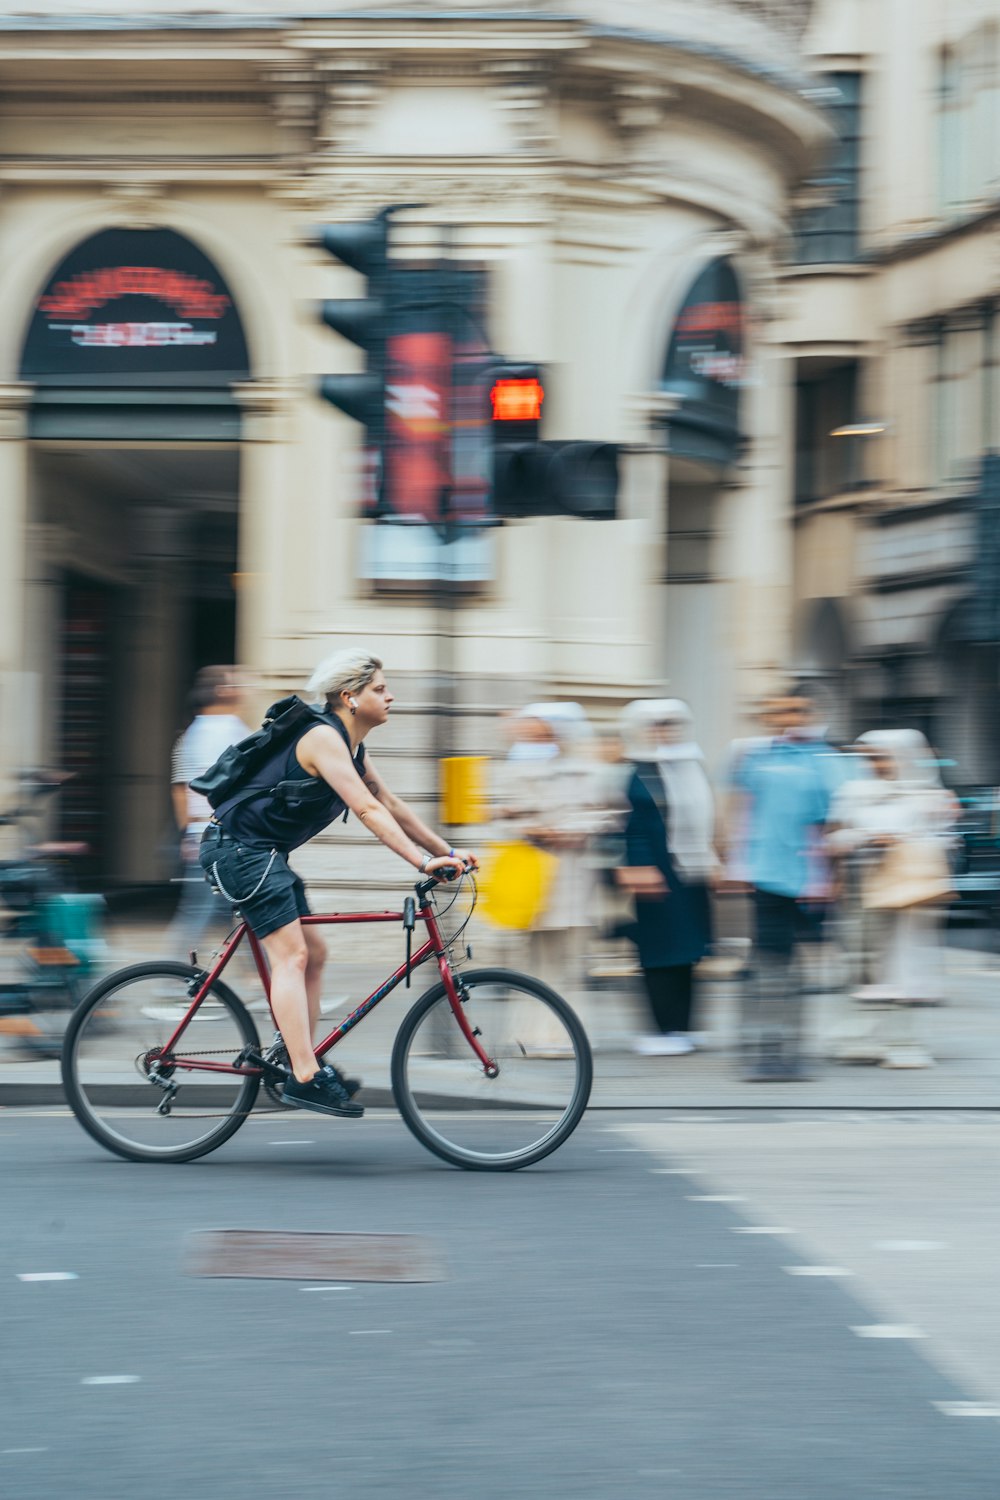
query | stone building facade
(891,324)
(174,491)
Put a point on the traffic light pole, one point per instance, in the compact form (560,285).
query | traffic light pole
(445,604)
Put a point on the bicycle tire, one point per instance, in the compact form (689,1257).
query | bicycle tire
(431,1135)
(84,1109)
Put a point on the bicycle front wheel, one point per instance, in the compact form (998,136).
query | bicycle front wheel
(543,1076)
(113,1053)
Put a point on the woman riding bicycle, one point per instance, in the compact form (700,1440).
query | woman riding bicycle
(245,855)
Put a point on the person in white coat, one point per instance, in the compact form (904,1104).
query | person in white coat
(551,798)
(900,803)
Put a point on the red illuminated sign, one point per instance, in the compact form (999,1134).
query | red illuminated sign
(517,400)
(131,304)
(187,295)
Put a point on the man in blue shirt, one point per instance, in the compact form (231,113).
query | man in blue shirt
(784,784)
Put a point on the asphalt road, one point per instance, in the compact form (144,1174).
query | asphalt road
(600,1331)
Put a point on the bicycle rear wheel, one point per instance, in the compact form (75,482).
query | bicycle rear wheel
(542,1084)
(113,1046)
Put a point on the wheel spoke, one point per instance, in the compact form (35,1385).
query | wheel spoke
(542,1080)
(133,1096)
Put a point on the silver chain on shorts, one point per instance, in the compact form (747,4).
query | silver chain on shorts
(232,899)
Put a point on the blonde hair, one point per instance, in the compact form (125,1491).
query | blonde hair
(344,672)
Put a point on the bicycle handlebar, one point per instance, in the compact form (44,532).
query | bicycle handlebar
(423,888)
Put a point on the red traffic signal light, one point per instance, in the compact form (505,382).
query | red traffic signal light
(517,399)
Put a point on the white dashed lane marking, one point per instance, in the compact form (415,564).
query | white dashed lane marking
(111,1380)
(817,1271)
(968,1408)
(888,1331)
(908,1245)
(47,1276)
(761,1229)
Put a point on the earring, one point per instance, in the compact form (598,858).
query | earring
(353,712)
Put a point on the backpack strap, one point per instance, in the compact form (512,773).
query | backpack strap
(249,793)
(358,757)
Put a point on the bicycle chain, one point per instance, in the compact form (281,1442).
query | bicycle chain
(246,1113)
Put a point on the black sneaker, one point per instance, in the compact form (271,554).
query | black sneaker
(326,1093)
(279,1057)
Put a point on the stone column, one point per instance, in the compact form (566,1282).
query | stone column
(268,505)
(15,399)
(644,495)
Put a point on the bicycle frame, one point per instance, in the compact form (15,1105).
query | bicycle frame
(434,946)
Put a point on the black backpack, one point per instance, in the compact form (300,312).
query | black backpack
(232,779)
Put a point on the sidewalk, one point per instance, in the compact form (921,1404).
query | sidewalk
(964,1037)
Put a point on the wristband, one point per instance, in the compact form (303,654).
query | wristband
(452,854)
(422,867)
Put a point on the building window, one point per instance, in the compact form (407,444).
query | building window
(991,380)
(958,389)
(825,400)
(968,122)
(829,234)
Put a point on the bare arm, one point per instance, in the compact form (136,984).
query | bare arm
(404,814)
(323,753)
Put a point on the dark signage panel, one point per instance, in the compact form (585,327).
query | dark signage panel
(705,367)
(135,304)
(438,444)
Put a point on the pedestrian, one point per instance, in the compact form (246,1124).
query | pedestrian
(550,798)
(670,864)
(782,787)
(898,823)
(216,702)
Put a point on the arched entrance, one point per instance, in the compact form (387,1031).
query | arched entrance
(132,353)
(702,371)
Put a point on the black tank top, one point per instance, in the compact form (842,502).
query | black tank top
(293,807)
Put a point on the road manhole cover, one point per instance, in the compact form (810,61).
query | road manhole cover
(274,1254)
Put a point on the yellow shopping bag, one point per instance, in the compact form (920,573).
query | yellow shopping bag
(515,883)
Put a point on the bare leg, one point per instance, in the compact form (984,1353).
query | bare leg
(316,950)
(289,958)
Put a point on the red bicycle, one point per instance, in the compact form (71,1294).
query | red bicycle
(491,1069)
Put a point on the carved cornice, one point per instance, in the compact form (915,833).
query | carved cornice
(136,203)
(292,94)
(523,86)
(352,86)
(449,193)
(640,106)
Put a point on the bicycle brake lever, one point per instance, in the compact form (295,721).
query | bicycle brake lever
(409,922)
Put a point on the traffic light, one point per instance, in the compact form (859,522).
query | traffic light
(363,320)
(532,477)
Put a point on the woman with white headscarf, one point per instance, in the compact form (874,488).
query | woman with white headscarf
(670,862)
(550,798)
(898,820)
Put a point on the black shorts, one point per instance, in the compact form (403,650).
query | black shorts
(259,881)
